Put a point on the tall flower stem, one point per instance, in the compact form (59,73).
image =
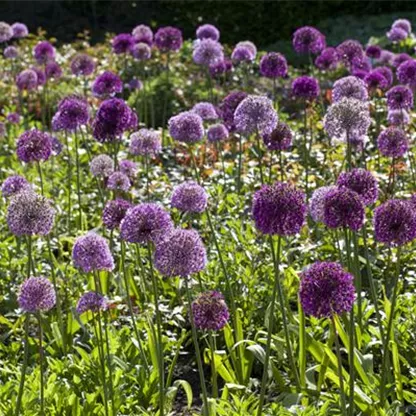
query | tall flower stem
(260,157)
(240,161)
(305,148)
(78,181)
(24,367)
(41,362)
(146,164)
(212,348)
(69,176)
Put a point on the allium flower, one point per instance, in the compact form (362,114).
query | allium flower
(44,52)
(396,34)
(144,223)
(134,84)
(11,52)
(399,97)
(395,222)
(73,112)
(400,58)
(34,146)
(358,141)
(406,73)
(41,76)
(306,88)
(217,133)
(317,203)
(122,43)
(326,289)
(228,106)
(279,209)
(307,39)
(208,31)
(180,253)
(360,65)
(273,65)
(361,181)
(186,127)
(205,110)
(20,30)
(91,301)
(36,294)
(107,84)
(280,138)
(82,64)
(328,59)
(13,118)
(403,24)
(27,80)
(118,181)
(13,185)
(376,80)
(350,50)
(242,54)
(250,46)
(143,34)
(255,114)
(91,253)
(6,32)
(112,119)
(189,197)
(145,142)
(347,117)
(114,212)
(373,51)
(102,166)
(387,73)
(129,168)
(349,87)
(219,68)
(392,142)
(53,70)
(398,117)
(343,208)
(141,51)
(57,146)
(210,311)
(386,57)
(168,39)
(30,214)
(207,52)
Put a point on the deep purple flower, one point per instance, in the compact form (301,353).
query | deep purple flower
(317,203)
(143,34)
(189,197)
(399,97)
(228,106)
(280,138)
(73,112)
(145,142)
(217,133)
(91,253)
(44,52)
(186,127)
(400,58)
(279,209)
(41,76)
(27,80)
(91,302)
(82,64)
(242,54)
(53,70)
(392,142)
(387,73)
(361,181)
(168,39)
(34,146)
(307,39)
(122,43)
(326,289)
(6,32)
(11,52)
(36,294)
(210,311)
(406,73)
(349,87)
(376,80)
(328,59)
(395,222)
(273,65)
(13,118)
(250,46)
(114,212)
(20,30)
(141,51)
(144,223)
(220,68)
(396,34)
(129,168)
(306,88)
(180,253)
(13,185)
(373,51)
(102,166)
(362,64)
(350,50)
(205,110)
(107,84)
(118,181)
(398,117)
(207,52)
(208,31)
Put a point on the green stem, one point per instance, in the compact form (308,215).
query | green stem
(41,361)
(146,163)
(40,178)
(213,367)
(341,379)
(240,161)
(302,348)
(24,367)
(78,182)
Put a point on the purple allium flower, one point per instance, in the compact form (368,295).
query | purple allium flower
(30,214)
(361,181)
(255,114)
(36,294)
(208,31)
(168,39)
(395,222)
(387,73)
(396,34)
(279,209)
(82,64)
(91,301)
(186,127)
(180,253)
(398,117)
(210,311)
(273,65)
(13,118)
(102,166)
(144,223)
(399,97)
(217,133)
(219,68)
(386,57)
(27,80)
(6,32)
(44,52)
(114,212)
(350,50)
(400,58)
(57,146)
(242,54)
(13,185)
(376,80)
(205,110)
(189,197)
(343,207)
(328,59)
(307,39)
(326,289)
(346,118)
(280,138)
(41,76)
(72,113)
(250,46)
(373,51)
(11,52)
(392,142)
(107,84)
(122,43)
(129,168)
(20,30)
(317,203)
(228,106)
(34,146)
(360,65)
(406,73)
(207,52)
(359,73)
(145,142)
(349,87)
(134,84)
(143,34)
(53,70)
(112,119)
(141,51)
(403,24)
(118,181)
(306,88)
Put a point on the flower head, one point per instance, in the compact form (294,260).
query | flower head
(168,39)
(361,181)
(186,127)
(13,118)
(207,52)
(189,197)
(376,80)
(242,54)
(20,30)
(73,112)
(273,65)
(129,168)
(118,181)
(122,43)
(34,146)
(306,88)
(396,34)
(219,68)
(280,138)
(350,50)
(11,52)
(307,39)
(36,294)
(208,31)
(143,34)
(317,203)
(403,24)
(228,106)
(6,32)
(205,110)
(217,133)
(102,166)
(107,84)
(44,52)
(328,59)
(373,51)
(27,80)
(399,97)
(392,142)
(398,117)
(210,311)
(141,51)
(114,212)
(349,87)
(145,142)
(406,73)
(13,185)
(82,64)
(41,76)
(91,301)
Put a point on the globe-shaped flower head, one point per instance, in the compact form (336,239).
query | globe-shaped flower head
(317,203)
(168,39)
(406,73)
(13,185)
(217,133)
(6,32)
(34,146)
(145,142)
(399,97)
(141,51)
(398,118)
(114,212)
(13,118)
(307,39)
(82,64)
(306,88)
(27,80)
(349,51)
(102,166)
(53,70)
(403,24)
(273,65)
(129,168)
(143,34)
(20,30)
(373,51)
(280,138)
(250,46)
(118,181)
(228,106)
(349,87)
(328,59)
(207,52)
(36,294)
(107,84)
(242,54)
(387,74)
(205,110)
(218,69)
(91,302)
(44,52)
(122,43)
(396,34)
(73,112)
(208,31)
(11,52)
(210,311)
(376,80)
(186,127)
(399,58)
(189,197)
(41,76)
(392,142)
